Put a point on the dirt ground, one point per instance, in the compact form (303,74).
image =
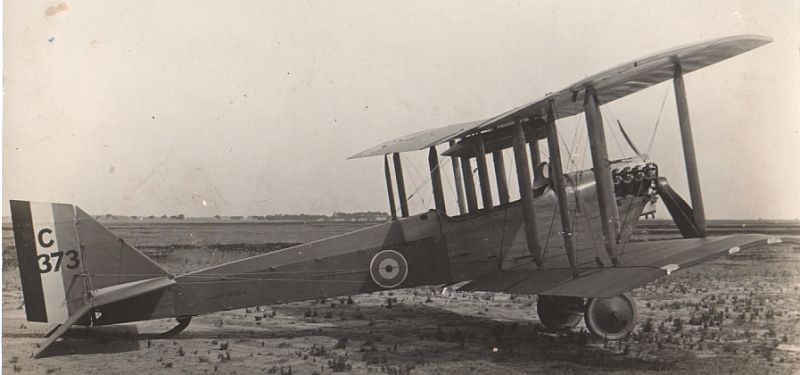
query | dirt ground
(736,315)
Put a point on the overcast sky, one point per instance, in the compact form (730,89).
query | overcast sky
(153,107)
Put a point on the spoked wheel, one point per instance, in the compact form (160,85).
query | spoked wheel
(612,318)
(557,313)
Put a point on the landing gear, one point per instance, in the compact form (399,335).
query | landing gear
(612,318)
(557,313)
(183,322)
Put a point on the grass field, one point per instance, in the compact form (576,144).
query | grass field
(733,315)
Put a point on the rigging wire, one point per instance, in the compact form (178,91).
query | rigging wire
(575,183)
(575,231)
(413,181)
(571,148)
(509,172)
(591,235)
(583,155)
(549,232)
(576,146)
(426,179)
(658,120)
(439,166)
(449,182)
(586,219)
(578,137)
(608,111)
(503,236)
(628,211)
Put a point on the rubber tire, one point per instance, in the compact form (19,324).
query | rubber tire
(559,313)
(615,328)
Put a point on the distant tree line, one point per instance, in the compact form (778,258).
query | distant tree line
(110,217)
(337,216)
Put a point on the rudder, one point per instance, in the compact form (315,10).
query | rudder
(65,256)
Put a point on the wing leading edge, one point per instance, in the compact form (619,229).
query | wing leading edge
(643,262)
(419,140)
(611,84)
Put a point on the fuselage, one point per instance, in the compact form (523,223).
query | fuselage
(430,248)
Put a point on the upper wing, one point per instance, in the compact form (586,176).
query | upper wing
(419,140)
(642,262)
(633,76)
(610,85)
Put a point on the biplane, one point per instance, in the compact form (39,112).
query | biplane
(567,239)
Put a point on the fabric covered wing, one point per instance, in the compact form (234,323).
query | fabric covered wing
(419,140)
(642,262)
(610,84)
(633,76)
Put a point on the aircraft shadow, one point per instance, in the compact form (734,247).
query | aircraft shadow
(471,337)
(96,340)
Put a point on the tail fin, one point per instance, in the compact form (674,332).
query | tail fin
(65,255)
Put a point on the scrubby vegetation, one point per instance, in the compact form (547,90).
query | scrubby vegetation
(734,315)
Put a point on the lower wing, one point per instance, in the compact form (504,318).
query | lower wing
(642,262)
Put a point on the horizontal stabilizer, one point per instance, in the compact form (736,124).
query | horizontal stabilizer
(105,297)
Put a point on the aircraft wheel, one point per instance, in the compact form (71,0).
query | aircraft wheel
(557,313)
(612,318)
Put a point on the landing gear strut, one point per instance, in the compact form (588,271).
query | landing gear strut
(557,313)
(612,318)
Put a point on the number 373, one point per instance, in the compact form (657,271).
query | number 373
(46,261)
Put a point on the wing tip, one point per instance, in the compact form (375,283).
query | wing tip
(756,37)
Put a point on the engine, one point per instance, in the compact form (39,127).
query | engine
(639,180)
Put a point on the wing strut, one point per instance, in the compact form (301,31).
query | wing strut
(536,157)
(389,188)
(609,216)
(558,185)
(526,192)
(401,185)
(688,152)
(483,173)
(500,176)
(459,184)
(436,179)
(469,185)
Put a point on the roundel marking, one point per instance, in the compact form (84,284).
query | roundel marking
(388,268)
